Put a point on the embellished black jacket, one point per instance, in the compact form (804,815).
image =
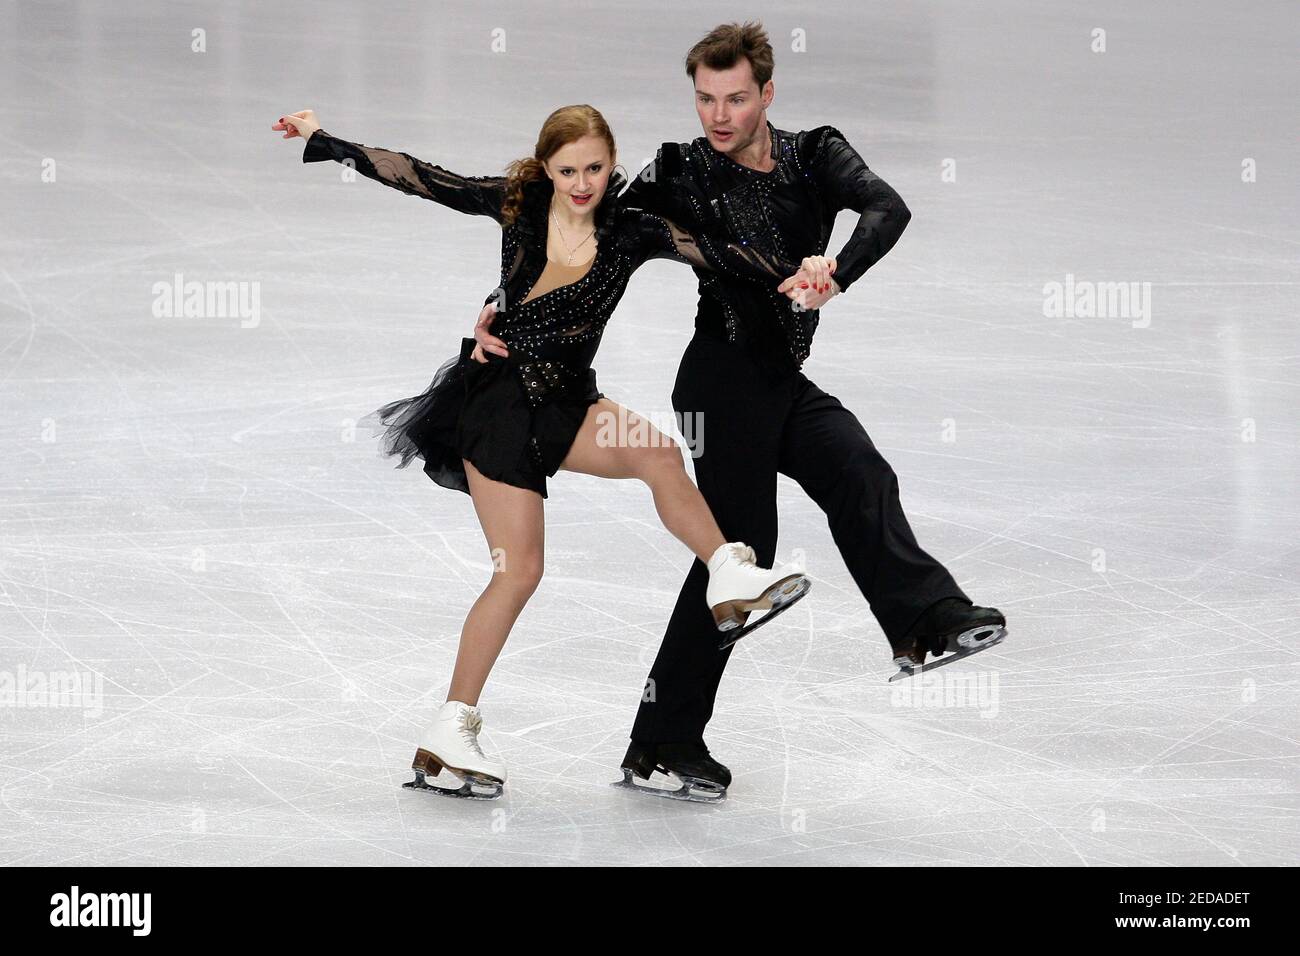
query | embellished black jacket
(787,214)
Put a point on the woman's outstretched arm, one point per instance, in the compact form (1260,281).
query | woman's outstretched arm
(474,195)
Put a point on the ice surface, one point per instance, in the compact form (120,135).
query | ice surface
(266,613)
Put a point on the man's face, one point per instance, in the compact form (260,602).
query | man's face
(731,106)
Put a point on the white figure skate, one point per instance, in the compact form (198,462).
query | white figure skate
(737,585)
(451,741)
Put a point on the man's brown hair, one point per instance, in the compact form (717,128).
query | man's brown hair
(725,45)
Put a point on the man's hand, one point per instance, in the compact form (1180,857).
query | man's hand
(487,342)
(812,286)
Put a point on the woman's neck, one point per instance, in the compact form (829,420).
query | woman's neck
(573,224)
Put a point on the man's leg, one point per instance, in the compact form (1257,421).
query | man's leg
(718,386)
(827,451)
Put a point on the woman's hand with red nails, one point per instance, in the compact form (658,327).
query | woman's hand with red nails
(812,286)
(303,123)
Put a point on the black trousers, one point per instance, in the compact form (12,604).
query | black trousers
(752,428)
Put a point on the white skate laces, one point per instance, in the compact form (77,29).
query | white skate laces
(738,550)
(469,722)
(738,585)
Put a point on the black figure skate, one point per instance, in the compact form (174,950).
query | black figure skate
(951,625)
(698,777)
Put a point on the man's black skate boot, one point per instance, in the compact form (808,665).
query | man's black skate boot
(950,624)
(702,779)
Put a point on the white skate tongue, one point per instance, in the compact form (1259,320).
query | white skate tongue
(737,550)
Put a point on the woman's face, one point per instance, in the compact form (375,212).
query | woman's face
(580,171)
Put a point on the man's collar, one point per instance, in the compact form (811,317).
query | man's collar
(775,152)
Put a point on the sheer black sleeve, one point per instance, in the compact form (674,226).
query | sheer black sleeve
(848,183)
(656,237)
(474,195)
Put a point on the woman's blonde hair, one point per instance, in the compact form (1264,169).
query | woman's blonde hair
(566,125)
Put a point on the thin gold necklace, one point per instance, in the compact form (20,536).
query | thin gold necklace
(556,220)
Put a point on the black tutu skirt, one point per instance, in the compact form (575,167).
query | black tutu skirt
(481,412)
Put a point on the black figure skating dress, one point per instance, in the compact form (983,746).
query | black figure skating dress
(516,418)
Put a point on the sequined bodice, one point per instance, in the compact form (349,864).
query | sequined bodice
(566,323)
(556,276)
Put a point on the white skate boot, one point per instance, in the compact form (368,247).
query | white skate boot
(451,741)
(737,585)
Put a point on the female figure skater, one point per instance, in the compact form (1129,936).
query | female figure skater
(496,427)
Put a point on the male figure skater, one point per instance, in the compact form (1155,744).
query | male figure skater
(779,192)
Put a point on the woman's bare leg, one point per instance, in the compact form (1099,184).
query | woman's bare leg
(513,522)
(658,463)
